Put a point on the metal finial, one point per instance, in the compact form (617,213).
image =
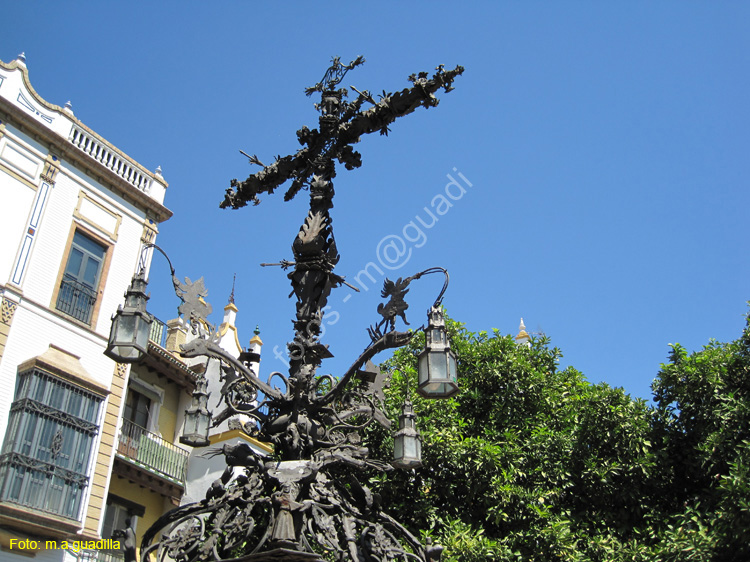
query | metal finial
(21,57)
(257,330)
(231,297)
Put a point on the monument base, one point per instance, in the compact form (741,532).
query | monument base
(281,555)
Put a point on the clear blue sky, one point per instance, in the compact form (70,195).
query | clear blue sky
(606,144)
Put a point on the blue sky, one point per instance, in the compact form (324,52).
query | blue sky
(606,146)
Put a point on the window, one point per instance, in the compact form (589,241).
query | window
(137,408)
(135,421)
(118,511)
(80,281)
(139,416)
(47,450)
(115,518)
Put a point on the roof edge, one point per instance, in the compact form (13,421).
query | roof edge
(161,212)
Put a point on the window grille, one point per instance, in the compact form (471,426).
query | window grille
(46,454)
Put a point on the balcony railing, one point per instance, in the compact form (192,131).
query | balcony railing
(76,299)
(100,556)
(158,333)
(148,450)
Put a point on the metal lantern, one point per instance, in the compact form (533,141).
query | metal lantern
(131,325)
(197,417)
(407,444)
(437,364)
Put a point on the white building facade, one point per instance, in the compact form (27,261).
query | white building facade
(76,213)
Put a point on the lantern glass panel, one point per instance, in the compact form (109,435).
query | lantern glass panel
(189,427)
(437,335)
(452,369)
(422,368)
(201,424)
(126,353)
(438,366)
(121,346)
(411,446)
(143,327)
(124,328)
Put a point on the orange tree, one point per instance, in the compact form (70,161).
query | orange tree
(528,462)
(532,462)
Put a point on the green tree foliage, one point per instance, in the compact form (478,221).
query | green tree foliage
(532,462)
(703,425)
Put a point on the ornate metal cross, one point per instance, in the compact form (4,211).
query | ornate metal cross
(307,501)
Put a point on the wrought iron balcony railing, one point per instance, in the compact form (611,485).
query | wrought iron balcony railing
(76,299)
(149,451)
(158,333)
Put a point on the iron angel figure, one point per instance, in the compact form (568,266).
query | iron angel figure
(308,500)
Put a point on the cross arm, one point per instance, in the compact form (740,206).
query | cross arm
(268,179)
(393,106)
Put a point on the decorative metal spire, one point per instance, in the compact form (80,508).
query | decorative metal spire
(231,296)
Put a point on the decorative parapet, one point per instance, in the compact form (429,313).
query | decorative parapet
(99,151)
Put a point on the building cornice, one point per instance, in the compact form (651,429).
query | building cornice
(165,363)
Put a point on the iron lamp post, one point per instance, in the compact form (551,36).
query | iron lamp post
(306,500)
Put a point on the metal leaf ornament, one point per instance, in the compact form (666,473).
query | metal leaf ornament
(313,226)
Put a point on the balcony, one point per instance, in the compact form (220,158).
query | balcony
(165,363)
(76,299)
(153,455)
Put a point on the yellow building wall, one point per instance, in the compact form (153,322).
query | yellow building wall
(155,504)
(167,421)
(103,465)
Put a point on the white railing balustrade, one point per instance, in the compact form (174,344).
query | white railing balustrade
(110,159)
